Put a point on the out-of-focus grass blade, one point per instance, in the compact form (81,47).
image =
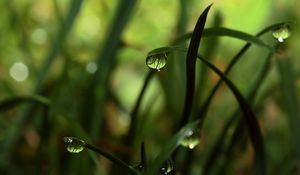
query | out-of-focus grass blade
(14,101)
(290,100)
(250,119)
(74,9)
(105,61)
(170,147)
(191,67)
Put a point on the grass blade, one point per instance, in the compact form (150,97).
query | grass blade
(170,147)
(105,61)
(290,100)
(234,60)
(191,67)
(14,101)
(250,119)
(133,125)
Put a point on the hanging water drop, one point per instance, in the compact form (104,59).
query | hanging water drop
(157,58)
(74,145)
(168,167)
(282,33)
(192,139)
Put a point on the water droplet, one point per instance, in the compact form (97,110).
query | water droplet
(157,58)
(168,167)
(74,145)
(139,167)
(282,33)
(192,139)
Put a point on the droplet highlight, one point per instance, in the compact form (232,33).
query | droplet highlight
(74,145)
(167,168)
(282,33)
(157,58)
(192,139)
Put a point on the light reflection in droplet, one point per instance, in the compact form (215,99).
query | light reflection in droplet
(39,36)
(192,139)
(74,145)
(282,33)
(19,71)
(91,67)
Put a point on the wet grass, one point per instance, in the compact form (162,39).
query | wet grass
(65,101)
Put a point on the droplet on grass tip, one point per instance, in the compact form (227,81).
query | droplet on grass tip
(282,33)
(192,139)
(74,145)
(157,58)
(167,168)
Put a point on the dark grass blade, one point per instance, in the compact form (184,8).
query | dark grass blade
(15,101)
(133,125)
(115,160)
(170,146)
(250,119)
(202,111)
(191,67)
(217,146)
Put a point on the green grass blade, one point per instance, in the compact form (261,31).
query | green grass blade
(289,97)
(133,125)
(202,111)
(14,101)
(170,147)
(105,61)
(191,67)
(74,9)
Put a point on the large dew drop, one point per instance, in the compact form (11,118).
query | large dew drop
(192,139)
(167,168)
(74,145)
(282,33)
(157,58)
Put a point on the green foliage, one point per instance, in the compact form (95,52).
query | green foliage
(93,90)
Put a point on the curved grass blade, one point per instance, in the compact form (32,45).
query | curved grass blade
(170,147)
(14,101)
(202,111)
(250,119)
(191,67)
(215,151)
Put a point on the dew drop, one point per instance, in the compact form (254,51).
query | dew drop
(139,167)
(74,145)
(157,58)
(167,168)
(282,33)
(192,139)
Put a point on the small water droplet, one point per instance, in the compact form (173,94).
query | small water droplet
(192,139)
(157,58)
(168,167)
(74,145)
(139,167)
(282,33)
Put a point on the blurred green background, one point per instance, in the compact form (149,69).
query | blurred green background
(87,59)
